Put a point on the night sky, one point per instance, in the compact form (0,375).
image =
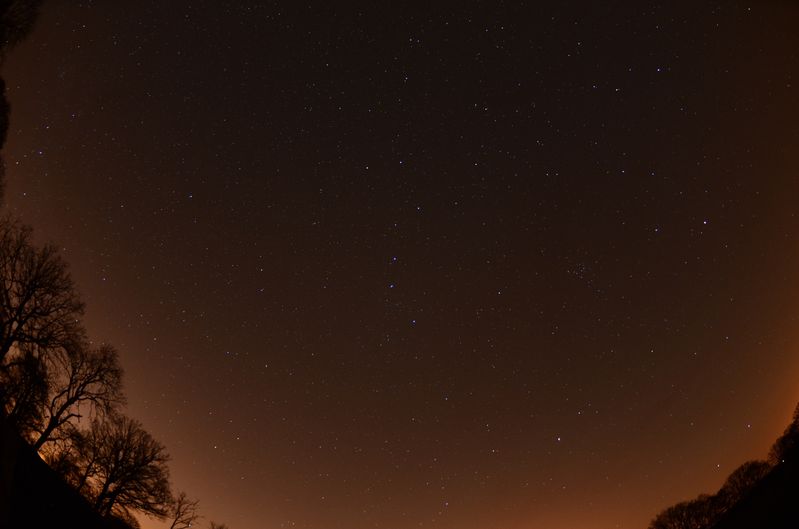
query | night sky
(473,266)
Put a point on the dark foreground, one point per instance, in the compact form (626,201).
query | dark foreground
(33,496)
(772,504)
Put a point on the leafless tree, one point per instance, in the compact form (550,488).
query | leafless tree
(39,306)
(79,461)
(123,469)
(24,396)
(124,520)
(63,457)
(184,512)
(83,379)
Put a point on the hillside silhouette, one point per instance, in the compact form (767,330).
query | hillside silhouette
(54,470)
(32,495)
(757,495)
(772,503)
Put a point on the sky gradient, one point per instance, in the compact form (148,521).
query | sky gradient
(391,267)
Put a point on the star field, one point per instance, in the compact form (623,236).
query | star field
(392,267)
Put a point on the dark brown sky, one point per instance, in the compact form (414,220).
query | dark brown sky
(477,267)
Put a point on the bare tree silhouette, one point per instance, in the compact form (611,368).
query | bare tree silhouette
(184,512)
(122,468)
(82,379)
(25,386)
(39,306)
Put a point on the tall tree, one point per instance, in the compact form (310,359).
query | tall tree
(125,468)
(25,386)
(82,380)
(39,306)
(65,457)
